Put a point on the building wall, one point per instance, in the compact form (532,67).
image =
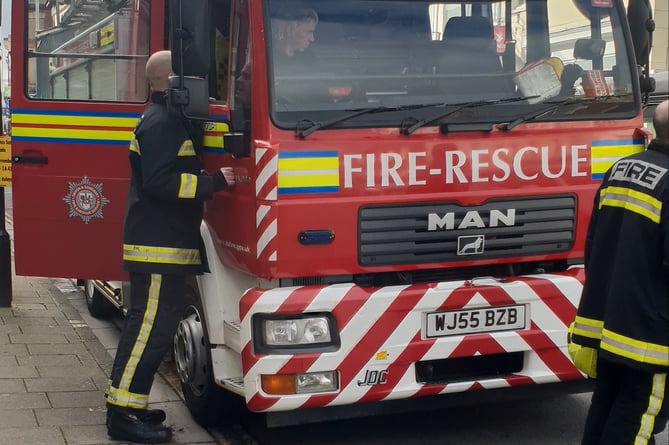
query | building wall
(659,60)
(5,54)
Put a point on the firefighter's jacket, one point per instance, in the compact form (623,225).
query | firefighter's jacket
(624,308)
(166,197)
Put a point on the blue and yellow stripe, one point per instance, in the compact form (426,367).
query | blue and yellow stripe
(213,135)
(605,153)
(307,172)
(73,127)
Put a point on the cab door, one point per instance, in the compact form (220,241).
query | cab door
(78,88)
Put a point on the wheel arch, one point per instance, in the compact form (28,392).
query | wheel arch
(221,290)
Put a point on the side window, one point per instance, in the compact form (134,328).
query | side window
(87,52)
(584,45)
(241,60)
(566,26)
(219,86)
(594,49)
(439,15)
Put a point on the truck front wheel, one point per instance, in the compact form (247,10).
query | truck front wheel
(97,304)
(208,403)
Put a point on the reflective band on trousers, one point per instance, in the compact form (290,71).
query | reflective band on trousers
(161,255)
(655,402)
(640,351)
(632,200)
(127,399)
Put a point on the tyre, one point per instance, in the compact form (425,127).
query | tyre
(98,306)
(208,403)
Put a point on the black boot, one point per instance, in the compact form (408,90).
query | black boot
(137,425)
(149,415)
(145,415)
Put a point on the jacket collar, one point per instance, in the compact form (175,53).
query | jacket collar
(655,145)
(158,97)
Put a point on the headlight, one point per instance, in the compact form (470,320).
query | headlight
(295,332)
(301,331)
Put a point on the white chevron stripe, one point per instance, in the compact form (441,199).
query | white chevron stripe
(570,287)
(266,237)
(266,173)
(261,213)
(329,297)
(541,314)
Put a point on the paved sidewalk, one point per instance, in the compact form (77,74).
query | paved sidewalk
(54,364)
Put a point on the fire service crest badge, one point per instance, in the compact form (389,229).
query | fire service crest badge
(85,200)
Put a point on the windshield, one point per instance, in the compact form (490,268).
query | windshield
(326,59)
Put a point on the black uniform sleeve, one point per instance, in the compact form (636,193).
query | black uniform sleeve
(664,224)
(219,181)
(170,167)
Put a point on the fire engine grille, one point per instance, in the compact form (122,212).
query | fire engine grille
(447,231)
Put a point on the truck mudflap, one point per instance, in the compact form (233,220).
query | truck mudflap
(399,342)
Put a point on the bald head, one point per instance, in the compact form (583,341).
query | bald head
(158,69)
(661,122)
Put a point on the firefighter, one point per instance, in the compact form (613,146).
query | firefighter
(162,246)
(293,30)
(624,308)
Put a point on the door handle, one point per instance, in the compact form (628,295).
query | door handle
(30,159)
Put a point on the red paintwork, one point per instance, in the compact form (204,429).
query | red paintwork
(50,243)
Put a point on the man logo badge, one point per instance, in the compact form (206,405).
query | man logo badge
(471,245)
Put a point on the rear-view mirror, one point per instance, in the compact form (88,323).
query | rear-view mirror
(640,18)
(589,49)
(190,31)
(190,99)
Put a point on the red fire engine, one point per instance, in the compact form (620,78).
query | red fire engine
(413,182)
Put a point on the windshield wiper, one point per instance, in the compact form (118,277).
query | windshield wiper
(508,126)
(457,107)
(315,126)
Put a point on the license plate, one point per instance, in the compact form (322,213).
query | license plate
(472,321)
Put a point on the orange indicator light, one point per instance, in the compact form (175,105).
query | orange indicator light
(281,384)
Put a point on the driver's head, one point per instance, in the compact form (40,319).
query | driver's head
(293,29)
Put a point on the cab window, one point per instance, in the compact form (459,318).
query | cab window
(87,51)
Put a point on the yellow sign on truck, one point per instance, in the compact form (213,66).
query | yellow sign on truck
(5,162)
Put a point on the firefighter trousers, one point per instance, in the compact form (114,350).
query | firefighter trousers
(155,308)
(628,406)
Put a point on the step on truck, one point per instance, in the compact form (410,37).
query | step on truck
(414,183)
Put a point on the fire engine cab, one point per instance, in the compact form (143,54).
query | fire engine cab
(414,182)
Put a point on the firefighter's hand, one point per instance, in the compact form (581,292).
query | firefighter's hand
(229,175)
